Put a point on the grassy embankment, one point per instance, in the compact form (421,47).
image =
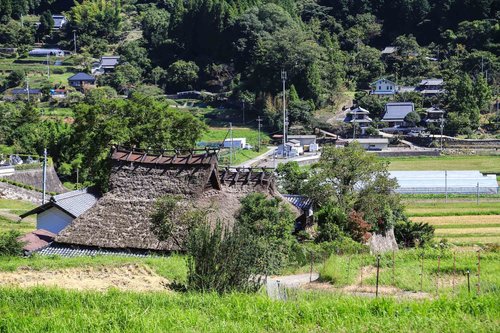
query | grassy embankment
(51,310)
(217,134)
(9,212)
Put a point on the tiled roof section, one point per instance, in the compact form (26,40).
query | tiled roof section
(397,111)
(196,157)
(75,202)
(37,240)
(81,77)
(80,251)
(22,91)
(358,110)
(389,50)
(110,61)
(431,82)
(59,20)
(302,202)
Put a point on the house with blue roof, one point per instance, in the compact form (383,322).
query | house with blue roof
(80,80)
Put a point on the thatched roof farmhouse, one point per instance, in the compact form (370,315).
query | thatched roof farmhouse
(121,218)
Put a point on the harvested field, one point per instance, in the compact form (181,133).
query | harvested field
(469,220)
(127,278)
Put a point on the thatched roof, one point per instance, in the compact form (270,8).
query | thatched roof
(121,218)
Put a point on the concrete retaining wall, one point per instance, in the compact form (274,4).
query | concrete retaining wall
(34,177)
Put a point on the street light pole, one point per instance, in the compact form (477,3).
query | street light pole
(283,78)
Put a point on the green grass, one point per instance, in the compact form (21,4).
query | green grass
(217,134)
(16,204)
(345,270)
(52,310)
(485,164)
(241,155)
(23,227)
(416,208)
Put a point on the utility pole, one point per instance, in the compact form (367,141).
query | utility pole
(74,39)
(44,176)
(48,66)
(243,112)
(28,88)
(231,147)
(354,130)
(283,78)
(259,121)
(441,126)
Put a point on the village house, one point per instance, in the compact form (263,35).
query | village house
(120,219)
(372,144)
(106,64)
(430,87)
(434,115)
(80,80)
(358,115)
(383,87)
(22,94)
(59,21)
(396,112)
(388,50)
(62,209)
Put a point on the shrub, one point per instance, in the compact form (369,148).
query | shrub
(409,234)
(221,260)
(9,243)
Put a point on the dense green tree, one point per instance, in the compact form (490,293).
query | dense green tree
(46,24)
(412,118)
(139,121)
(182,75)
(270,223)
(359,185)
(462,105)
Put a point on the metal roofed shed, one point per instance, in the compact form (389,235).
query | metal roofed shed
(46,52)
(62,209)
(375,144)
(441,182)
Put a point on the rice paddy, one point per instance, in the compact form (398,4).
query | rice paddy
(462,223)
(485,164)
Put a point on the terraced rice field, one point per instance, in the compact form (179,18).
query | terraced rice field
(462,223)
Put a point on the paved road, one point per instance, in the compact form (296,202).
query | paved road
(276,286)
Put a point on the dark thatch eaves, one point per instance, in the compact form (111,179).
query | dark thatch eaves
(121,218)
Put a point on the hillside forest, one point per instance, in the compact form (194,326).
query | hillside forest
(330,50)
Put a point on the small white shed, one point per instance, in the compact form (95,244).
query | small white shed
(235,143)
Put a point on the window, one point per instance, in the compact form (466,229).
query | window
(379,87)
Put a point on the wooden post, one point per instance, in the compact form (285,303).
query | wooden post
(421,271)
(478,271)
(468,280)
(311,270)
(438,273)
(393,268)
(454,272)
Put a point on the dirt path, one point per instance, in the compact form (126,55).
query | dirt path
(358,288)
(127,278)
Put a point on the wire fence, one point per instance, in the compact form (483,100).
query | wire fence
(416,273)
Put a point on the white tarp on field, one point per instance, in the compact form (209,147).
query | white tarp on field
(438,182)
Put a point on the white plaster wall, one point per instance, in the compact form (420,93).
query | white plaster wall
(53,220)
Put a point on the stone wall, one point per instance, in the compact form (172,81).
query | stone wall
(34,177)
(8,191)
(380,243)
